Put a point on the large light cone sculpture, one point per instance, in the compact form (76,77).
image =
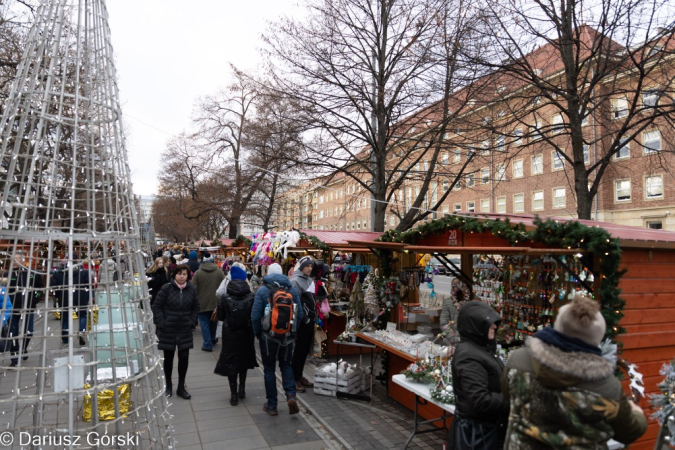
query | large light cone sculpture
(78,353)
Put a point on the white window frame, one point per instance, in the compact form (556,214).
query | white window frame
(587,154)
(457,156)
(557,123)
(619,108)
(648,150)
(521,201)
(471,206)
(537,164)
(446,210)
(650,97)
(470,181)
(446,185)
(485,175)
(457,207)
(535,194)
(518,136)
(647,182)
(485,148)
(520,173)
(445,158)
(556,198)
(626,148)
(500,172)
(555,156)
(501,205)
(485,205)
(616,191)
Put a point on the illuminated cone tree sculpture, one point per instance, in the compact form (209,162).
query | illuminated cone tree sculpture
(77,352)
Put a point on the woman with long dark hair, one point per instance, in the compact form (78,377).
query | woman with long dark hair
(176,311)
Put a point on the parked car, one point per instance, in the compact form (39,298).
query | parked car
(440,267)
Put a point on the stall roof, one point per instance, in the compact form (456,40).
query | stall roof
(633,237)
(340,238)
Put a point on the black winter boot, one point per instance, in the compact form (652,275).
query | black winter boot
(181,392)
(234,399)
(242,384)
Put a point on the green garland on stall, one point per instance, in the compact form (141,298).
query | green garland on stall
(244,240)
(317,243)
(563,234)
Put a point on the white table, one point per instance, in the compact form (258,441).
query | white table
(422,393)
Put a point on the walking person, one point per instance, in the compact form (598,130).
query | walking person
(80,286)
(563,393)
(481,409)
(176,311)
(237,354)
(193,262)
(158,276)
(303,282)
(278,347)
(207,279)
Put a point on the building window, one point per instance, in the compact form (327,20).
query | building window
(485,205)
(559,198)
(650,98)
(655,224)
(364,224)
(624,150)
(619,108)
(501,143)
(457,207)
(457,156)
(446,185)
(446,210)
(315,217)
(445,158)
(321,198)
(557,123)
(471,206)
(484,176)
(535,131)
(537,164)
(518,136)
(654,186)
(485,148)
(587,156)
(652,141)
(392,220)
(470,182)
(347,226)
(501,205)
(518,168)
(622,190)
(501,172)
(321,214)
(518,202)
(584,117)
(358,225)
(458,184)
(538,200)
(558,161)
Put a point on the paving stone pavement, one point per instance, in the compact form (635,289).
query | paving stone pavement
(208,421)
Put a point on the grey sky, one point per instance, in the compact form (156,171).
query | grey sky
(171,52)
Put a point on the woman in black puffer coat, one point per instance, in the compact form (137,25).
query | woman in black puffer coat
(482,412)
(176,311)
(238,352)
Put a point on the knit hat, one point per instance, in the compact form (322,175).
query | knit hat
(208,257)
(193,255)
(274,269)
(237,273)
(304,262)
(581,319)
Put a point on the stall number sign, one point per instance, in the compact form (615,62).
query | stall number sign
(454,238)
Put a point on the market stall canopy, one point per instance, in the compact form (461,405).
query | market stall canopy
(338,239)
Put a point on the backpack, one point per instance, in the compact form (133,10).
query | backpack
(238,312)
(309,307)
(279,322)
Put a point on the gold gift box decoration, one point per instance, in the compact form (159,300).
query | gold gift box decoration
(106,403)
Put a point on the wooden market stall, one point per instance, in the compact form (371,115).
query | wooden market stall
(644,325)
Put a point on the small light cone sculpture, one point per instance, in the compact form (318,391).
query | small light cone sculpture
(78,360)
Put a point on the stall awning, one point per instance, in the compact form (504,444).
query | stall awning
(491,250)
(372,244)
(342,238)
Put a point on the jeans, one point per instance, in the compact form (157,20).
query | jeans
(81,321)
(208,329)
(21,332)
(270,352)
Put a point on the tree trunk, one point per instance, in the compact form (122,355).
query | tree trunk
(234,227)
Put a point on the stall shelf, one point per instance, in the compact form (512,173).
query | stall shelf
(644,263)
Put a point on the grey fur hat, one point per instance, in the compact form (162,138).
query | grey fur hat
(581,319)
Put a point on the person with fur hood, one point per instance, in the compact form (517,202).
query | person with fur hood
(481,412)
(563,392)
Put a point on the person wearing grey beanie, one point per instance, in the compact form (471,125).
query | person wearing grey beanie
(563,392)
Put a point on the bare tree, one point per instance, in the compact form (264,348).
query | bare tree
(563,71)
(361,71)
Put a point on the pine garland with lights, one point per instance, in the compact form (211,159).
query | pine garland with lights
(664,403)
(246,242)
(564,234)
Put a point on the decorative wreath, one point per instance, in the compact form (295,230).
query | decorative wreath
(460,291)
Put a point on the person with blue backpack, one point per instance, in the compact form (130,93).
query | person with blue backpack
(275,316)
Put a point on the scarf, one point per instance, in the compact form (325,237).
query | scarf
(566,343)
(180,286)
